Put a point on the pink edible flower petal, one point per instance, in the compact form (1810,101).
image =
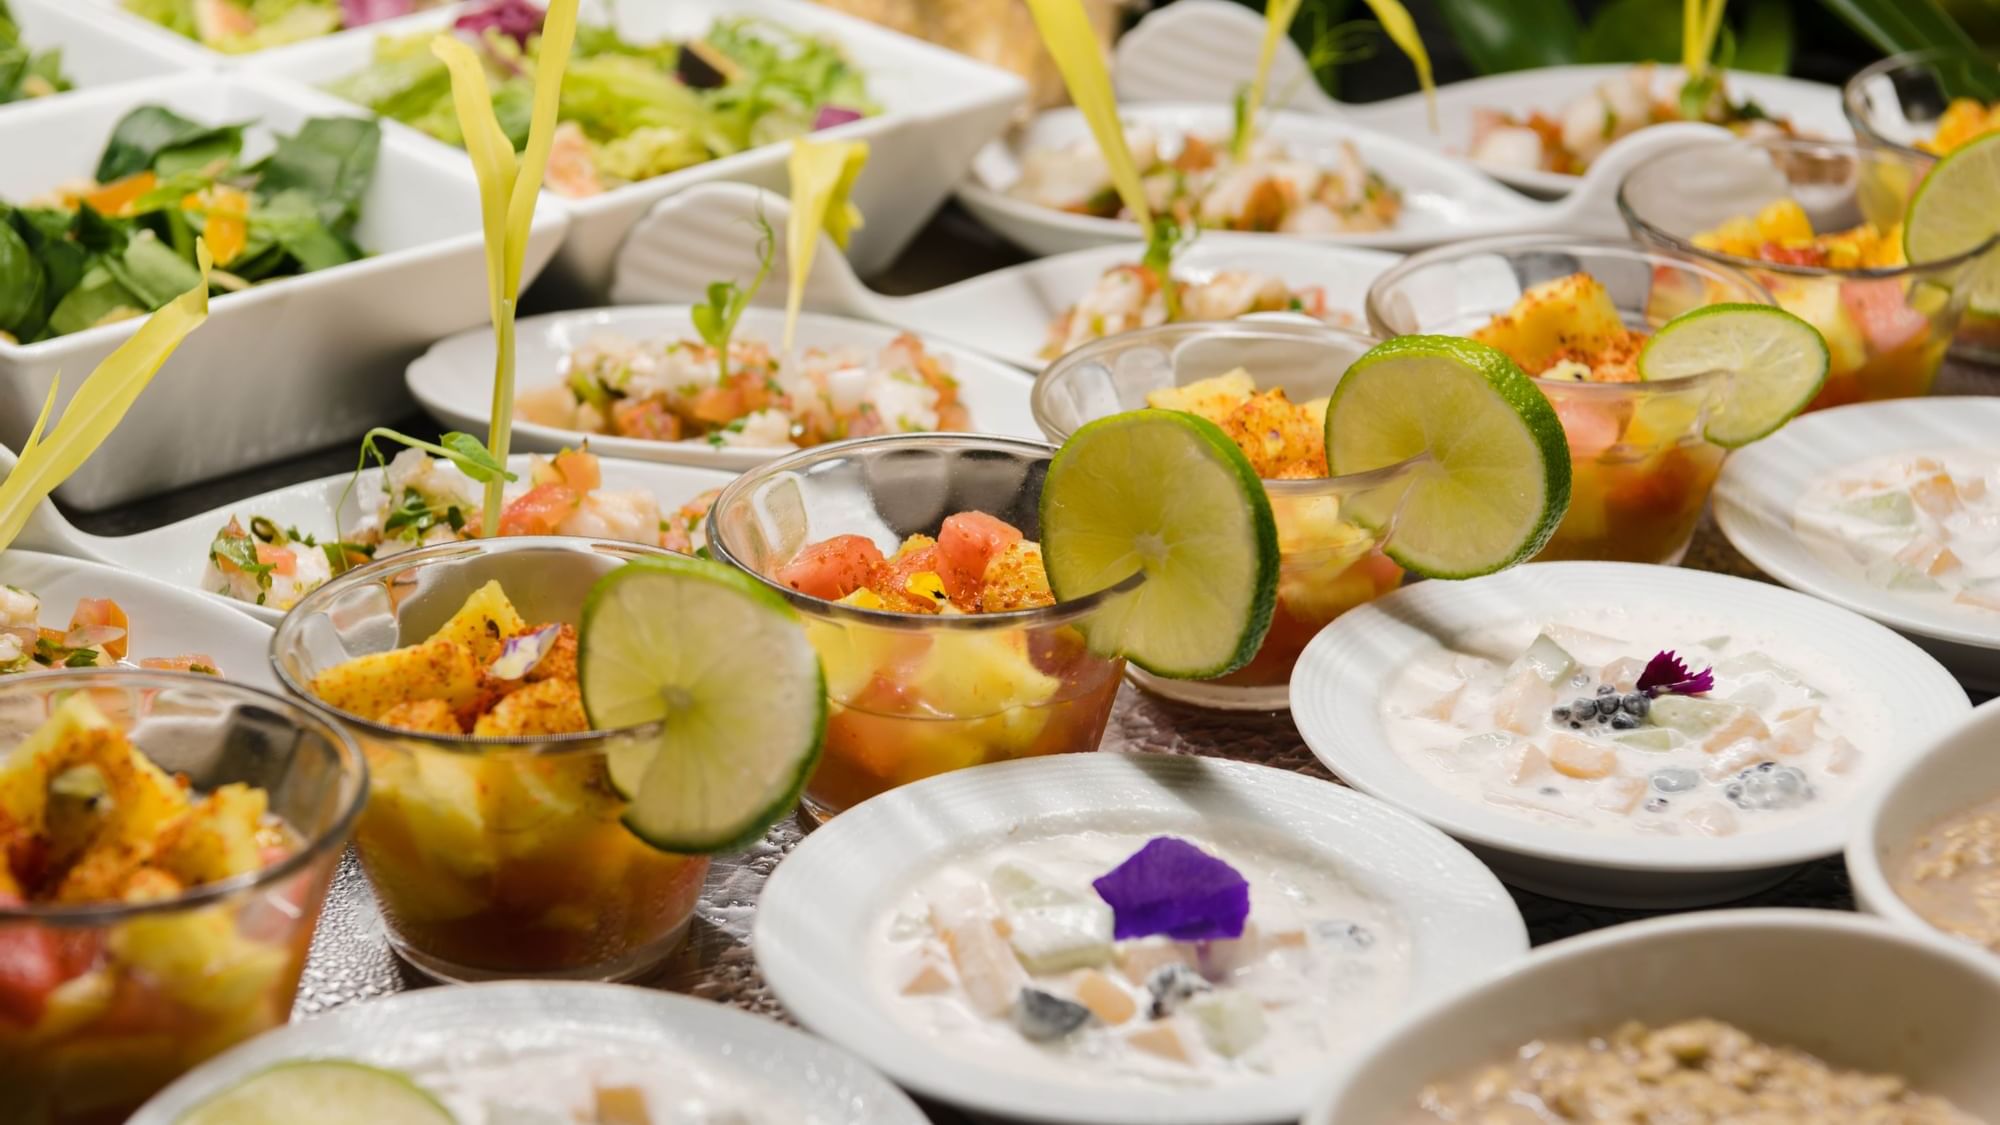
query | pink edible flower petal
(518,20)
(1666,672)
(360,13)
(1173,888)
(831,115)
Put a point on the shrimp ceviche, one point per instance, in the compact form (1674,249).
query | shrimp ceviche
(676,390)
(98,636)
(424,501)
(1128,297)
(1576,135)
(1201,185)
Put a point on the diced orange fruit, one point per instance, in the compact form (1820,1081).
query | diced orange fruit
(1575,757)
(1106,1000)
(226,211)
(117,196)
(1936,494)
(1744,724)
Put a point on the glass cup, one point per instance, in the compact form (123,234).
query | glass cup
(103,1004)
(1886,329)
(1330,559)
(1900,102)
(912,695)
(494,858)
(1640,470)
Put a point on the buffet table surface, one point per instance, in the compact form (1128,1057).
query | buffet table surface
(351,960)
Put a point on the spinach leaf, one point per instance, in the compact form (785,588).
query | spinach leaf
(21,284)
(151,271)
(210,154)
(98,234)
(294,222)
(143,134)
(330,160)
(97,297)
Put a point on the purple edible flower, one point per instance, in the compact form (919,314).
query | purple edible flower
(518,20)
(1666,672)
(831,115)
(1172,887)
(360,13)
(522,653)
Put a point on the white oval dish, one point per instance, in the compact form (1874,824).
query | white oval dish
(1204,50)
(464,1024)
(1444,199)
(1343,674)
(454,380)
(824,902)
(1853,991)
(97,51)
(165,621)
(700,236)
(177,554)
(1758,494)
(1950,775)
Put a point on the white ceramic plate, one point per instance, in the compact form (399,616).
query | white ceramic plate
(823,902)
(1760,487)
(177,554)
(1950,775)
(1444,199)
(282,367)
(165,621)
(454,379)
(437,1028)
(1203,50)
(1850,990)
(1345,672)
(938,108)
(97,51)
(703,235)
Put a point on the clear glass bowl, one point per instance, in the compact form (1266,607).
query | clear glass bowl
(1329,561)
(913,695)
(141,992)
(1899,102)
(1640,470)
(494,857)
(1886,329)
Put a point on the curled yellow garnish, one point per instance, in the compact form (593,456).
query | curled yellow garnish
(1402,31)
(822,175)
(1278,15)
(99,404)
(1071,43)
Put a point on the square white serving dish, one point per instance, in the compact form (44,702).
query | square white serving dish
(282,367)
(97,51)
(939,108)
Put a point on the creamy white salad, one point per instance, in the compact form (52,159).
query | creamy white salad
(1566,722)
(1010,956)
(1923,526)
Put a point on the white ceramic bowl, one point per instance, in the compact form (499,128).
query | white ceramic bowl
(824,902)
(1760,487)
(282,367)
(1203,50)
(438,1027)
(98,51)
(1444,199)
(700,235)
(1952,773)
(938,108)
(164,621)
(454,379)
(1853,991)
(1344,673)
(177,553)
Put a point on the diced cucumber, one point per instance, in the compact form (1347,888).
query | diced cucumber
(1058,937)
(1691,717)
(1648,738)
(1231,1021)
(1892,509)
(1893,575)
(1549,660)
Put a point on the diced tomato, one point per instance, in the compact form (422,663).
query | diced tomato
(106,613)
(284,560)
(966,543)
(645,418)
(540,511)
(832,569)
(30,969)
(1591,429)
(1884,316)
(718,405)
(1783,255)
(192,662)
(578,469)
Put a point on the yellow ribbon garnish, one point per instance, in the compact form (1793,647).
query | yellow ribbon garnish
(1071,43)
(98,405)
(1278,16)
(1402,31)
(823,175)
(1701,22)
(509,185)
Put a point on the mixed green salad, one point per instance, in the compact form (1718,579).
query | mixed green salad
(238,26)
(122,243)
(630,111)
(26,73)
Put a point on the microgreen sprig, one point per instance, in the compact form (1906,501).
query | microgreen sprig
(1165,239)
(468,453)
(715,319)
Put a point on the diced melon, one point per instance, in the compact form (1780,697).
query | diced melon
(1526,763)
(1692,717)
(1646,738)
(1623,673)
(1524,703)
(1162,1039)
(987,970)
(1546,659)
(1621,794)
(1058,937)
(1891,509)
(925,978)
(1140,959)
(1579,758)
(1106,998)
(483,623)
(1743,724)
(1231,1021)
(1713,819)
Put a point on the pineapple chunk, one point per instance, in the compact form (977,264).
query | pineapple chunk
(371,685)
(483,623)
(220,837)
(973,674)
(1214,398)
(423,716)
(78,734)
(1572,314)
(543,707)
(1784,221)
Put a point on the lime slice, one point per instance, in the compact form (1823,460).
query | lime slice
(1776,363)
(722,666)
(321,1092)
(1496,481)
(1169,494)
(1952,212)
